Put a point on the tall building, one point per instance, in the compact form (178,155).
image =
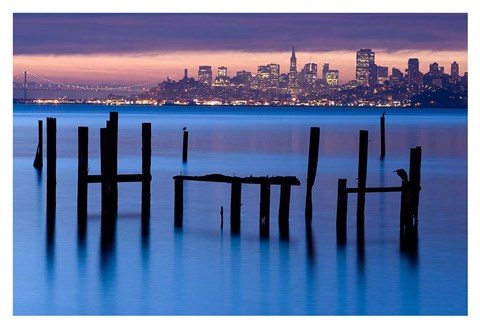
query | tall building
(365,70)
(332,77)
(396,77)
(413,72)
(326,68)
(382,74)
(222,71)
(243,77)
(310,70)
(205,74)
(293,84)
(268,76)
(435,70)
(454,72)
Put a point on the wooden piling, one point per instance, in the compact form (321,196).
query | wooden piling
(178,207)
(362,178)
(312,170)
(106,174)
(38,162)
(235,207)
(82,184)
(185,146)
(342,203)
(382,136)
(146,167)
(51,165)
(284,211)
(264,209)
(415,176)
(112,125)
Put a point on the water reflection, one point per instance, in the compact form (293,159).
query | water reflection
(108,264)
(50,261)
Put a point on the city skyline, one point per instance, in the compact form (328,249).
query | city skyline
(132,48)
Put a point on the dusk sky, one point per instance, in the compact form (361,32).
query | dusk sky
(134,48)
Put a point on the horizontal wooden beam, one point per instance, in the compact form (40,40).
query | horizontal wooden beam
(275,180)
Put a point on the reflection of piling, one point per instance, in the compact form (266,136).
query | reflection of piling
(362,179)
(51,165)
(82,184)
(342,203)
(146,167)
(382,136)
(185,146)
(264,209)
(235,207)
(38,162)
(283,211)
(312,170)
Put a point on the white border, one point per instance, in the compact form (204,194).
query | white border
(8,7)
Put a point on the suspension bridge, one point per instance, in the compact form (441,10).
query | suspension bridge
(30,81)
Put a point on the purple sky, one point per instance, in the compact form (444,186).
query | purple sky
(84,35)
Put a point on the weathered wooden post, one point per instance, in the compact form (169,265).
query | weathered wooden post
(51,166)
(112,126)
(185,146)
(382,136)
(82,184)
(415,166)
(284,210)
(312,170)
(342,203)
(38,162)
(106,173)
(264,209)
(178,208)
(362,180)
(235,206)
(146,167)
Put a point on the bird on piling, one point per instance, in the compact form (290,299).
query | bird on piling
(402,174)
(184,128)
(383,114)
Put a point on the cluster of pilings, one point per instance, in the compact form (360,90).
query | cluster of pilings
(109,179)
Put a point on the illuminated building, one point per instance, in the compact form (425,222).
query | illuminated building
(326,68)
(222,78)
(222,71)
(332,77)
(310,73)
(365,70)
(454,72)
(435,70)
(293,84)
(205,74)
(396,77)
(415,78)
(382,74)
(268,76)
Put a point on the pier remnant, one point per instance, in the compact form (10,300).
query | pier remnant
(382,136)
(185,146)
(312,170)
(38,162)
(51,166)
(265,182)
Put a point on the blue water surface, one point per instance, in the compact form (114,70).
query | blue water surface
(201,269)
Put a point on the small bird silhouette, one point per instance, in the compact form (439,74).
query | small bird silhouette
(402,174)
(184,128)
(383,114)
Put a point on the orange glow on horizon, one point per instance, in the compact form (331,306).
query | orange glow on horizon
(137,68)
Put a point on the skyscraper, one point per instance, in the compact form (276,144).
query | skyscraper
(293,84)
(205,74)
(413,71)
(365,70)
(454,72)
(326,68)
(222,71)
(382,74)
(310,70)
(332,77)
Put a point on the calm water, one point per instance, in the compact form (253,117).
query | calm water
(202,269)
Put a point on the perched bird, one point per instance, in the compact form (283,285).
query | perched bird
(383,114)
(184,128)
(402,174)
